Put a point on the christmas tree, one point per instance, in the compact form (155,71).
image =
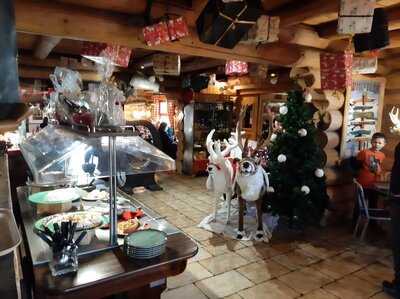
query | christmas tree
(295,165)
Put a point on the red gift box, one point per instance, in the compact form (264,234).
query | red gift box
(156,34)
(177,28)
(336,70)
(236,67)
(119,55)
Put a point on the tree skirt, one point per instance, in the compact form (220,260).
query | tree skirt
(220,225)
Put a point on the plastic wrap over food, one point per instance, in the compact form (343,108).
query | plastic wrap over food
(67,82)
(109,99)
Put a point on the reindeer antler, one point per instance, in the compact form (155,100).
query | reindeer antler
(239,127)
(210,144)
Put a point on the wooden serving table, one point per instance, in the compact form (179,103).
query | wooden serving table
(104,273)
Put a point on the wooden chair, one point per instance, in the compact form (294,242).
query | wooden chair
(366,213)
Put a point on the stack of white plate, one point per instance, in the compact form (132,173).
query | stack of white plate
(145,244)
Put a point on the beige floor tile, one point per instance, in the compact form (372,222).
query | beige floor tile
(305,280)
(202,254)
(352,287)
(295,259)
(223,263)
(234,296)
(381,295)
(192,273)
(188,291)
(257,252)
(223,285)
(336,267)
(222,246)
(372,250)
(283,246)
(200,234)
(272,289)
(387,261)
(376,273)
(319,294)
(322,250)
(263,270)
(358,258)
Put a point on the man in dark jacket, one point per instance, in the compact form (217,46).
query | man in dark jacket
(393,288)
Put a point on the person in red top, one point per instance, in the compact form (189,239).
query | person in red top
(371,160)
(371,167)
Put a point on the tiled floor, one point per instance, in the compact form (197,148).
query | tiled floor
(318,264)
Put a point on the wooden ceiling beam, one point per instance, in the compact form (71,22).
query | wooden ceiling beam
(329,30)
(199,64)
(45,45)
(43,73)
(296,13)
(52,62)
(68,21)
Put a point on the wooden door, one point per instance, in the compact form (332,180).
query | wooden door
(250,121)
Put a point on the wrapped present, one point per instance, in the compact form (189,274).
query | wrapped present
(365,65)
(336,70)
(167,64)
(266,30)
(177,28)
(156,34)
(119,55)
(225,24)
(236,67)
(355,16)
(379,35)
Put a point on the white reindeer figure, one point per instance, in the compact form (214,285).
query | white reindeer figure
(394,117)
(220,172)
(252,184)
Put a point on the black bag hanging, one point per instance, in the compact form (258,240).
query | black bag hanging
(379,35)
(225,24)
(199,82)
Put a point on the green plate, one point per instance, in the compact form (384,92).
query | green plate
(147,238)
(56,196)
(50,220)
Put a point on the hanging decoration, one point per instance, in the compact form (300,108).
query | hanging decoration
(365,65)
(302,132)
(236,67)
(319,173)
(167,64)
(225,24)
(378,37)
(266,30)
(355,16)
(305,189)
(336,70)
(283,110)
(97,52)
(281,158)
(165,31)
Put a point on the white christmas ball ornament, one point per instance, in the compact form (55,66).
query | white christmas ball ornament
(319,173)
(270,189)
(283,110)
(281,158)
(273,136)
(305,189)
(302,132)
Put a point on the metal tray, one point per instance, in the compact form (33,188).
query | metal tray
(10,237)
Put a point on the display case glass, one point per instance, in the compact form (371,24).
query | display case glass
(57,155)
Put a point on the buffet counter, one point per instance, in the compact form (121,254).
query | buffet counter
(103,272)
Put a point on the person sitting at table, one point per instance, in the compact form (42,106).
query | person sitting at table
(168,145)
(371,160)
(393,288)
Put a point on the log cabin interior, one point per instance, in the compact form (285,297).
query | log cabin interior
(198,65)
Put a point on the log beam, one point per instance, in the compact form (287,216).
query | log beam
(43,73)
(45,45)
(73,22)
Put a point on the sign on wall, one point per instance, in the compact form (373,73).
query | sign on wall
(362,114)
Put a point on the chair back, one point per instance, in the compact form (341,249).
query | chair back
(362,202)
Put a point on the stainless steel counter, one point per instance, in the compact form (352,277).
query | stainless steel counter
(10,237)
